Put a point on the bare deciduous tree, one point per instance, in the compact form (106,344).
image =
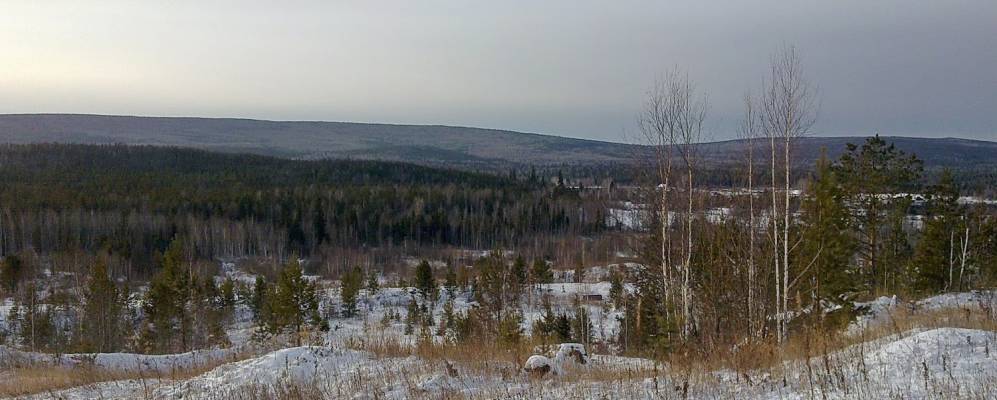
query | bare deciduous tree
(789,110)
(748,131)
(673,118)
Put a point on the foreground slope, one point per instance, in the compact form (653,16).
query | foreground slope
(938,363)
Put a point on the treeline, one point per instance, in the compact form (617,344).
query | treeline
(852,236)
(133,200)
(795,250)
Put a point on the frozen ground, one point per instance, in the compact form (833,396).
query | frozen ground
(918,364)
(938,363)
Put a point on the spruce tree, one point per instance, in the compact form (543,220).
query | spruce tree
(103,316)
(424,281)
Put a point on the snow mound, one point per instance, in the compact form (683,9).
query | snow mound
(158,364)
(299,365)
(537,362)
(933,354)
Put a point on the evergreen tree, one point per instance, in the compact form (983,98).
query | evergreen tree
(873,175)
(103,318)
(823,266)
(616,291)
(372,284)
(350,283)
(411,316)
(519,272)
(451,281)
(258,298)
(295,305)
(168,323)
(424,281)
(228,293)
(935,256)
(541,273)
(579,273)
(11,272)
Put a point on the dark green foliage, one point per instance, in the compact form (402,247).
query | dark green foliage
(519,272)
(227,293)
(34,321)
(293,304)
(167,324)
(823,261)
(170,192)
(350,282)
(104,325)
(616,290)
(451,281)
(496,290)
(258,299)
(412,316)
(372,284)
(510,331)
(425,283)
(11,272)
(867,173)
(935,258)
(541,273)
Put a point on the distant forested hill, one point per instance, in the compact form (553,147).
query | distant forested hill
(462,147)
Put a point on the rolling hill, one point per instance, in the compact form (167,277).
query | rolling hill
(425,144)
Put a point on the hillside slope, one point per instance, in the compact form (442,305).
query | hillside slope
(426,144)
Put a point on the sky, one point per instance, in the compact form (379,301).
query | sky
(570,68)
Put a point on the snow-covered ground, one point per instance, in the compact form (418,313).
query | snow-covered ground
(938,363)
(917,364)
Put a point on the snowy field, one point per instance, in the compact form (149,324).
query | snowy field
(920,363)
(937,363)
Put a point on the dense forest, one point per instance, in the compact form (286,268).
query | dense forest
(133,200)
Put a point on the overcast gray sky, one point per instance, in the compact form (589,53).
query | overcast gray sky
(570,68)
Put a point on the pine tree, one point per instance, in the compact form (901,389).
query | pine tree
(451,281)
(519,272)
(541,273)
(372,285)
(258,299)
(935,254)
(424,281)
(165,308)
(295,305)
(411,316)
(579,273)
(227,293)
(825,251)
(869,174)
(103,313)
(350,283)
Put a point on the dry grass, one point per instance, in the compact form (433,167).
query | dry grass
(35,378)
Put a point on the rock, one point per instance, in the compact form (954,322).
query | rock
(538,366)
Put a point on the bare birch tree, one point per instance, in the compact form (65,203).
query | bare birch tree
(789,111)
(748,131)
(673,120)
